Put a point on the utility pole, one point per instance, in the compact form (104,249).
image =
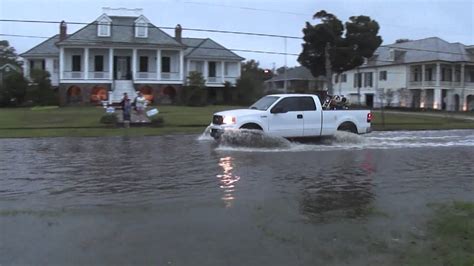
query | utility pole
(285,86)
(328,69)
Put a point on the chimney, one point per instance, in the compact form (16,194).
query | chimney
(62,31)
(177,33)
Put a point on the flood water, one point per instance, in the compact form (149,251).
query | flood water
(250,200)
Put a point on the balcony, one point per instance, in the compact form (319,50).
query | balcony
(216,79)
(99,75)
(230,79)
(170,76)
(73,75)
(146,76)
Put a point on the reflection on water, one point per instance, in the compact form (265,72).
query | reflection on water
(342,188)
(227,180)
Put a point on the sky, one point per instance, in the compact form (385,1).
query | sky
(451,20)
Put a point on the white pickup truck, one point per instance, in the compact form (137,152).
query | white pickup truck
(291,116)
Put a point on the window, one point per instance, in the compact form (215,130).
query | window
(471,75)
(141,30)
(416,74)
(76,63)
(368,79)
(56,65)
(383,75)
(343,78)
(306,104)
(104,29)
(212,69)
(99,63)
(293,104)
(428,74)
(143,64)
(165,64)
(336,78)
(226,69)
(357,80)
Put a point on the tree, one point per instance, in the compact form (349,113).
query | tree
(194,93)
(251,82)
(327,51)
(40,91)
(8,53)
(13,91)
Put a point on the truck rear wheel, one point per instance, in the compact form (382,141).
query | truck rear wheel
(348,127)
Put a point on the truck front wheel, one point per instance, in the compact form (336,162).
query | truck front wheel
(348,127)
(251,126)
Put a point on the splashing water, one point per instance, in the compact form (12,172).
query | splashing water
(260,142)
(206,135)
(252,139)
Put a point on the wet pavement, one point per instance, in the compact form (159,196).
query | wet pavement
(250,200)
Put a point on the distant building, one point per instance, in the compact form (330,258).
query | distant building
(427,73)
(7,68)
(122,51)
(298,79)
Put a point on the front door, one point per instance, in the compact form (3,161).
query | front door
(288,122)
(122,67)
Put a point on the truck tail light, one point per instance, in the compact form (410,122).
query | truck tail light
(369,117)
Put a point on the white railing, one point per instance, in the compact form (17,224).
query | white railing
(214,79)
(230,79)
(146,75)
(73,75)
(170,76)
(99,75)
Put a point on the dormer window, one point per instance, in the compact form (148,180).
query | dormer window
(141,27)
(103,26)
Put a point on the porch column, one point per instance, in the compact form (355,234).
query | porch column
(188,68)
(222,71)
(158,64)
(181,65)
(438,74)
(111,64)
(134,63)
(26,68)
(453,74)
(437,99)
(206,70)
(422,98)
(423,75)
(462,75)
(239,69)
(61,63)
(86,63)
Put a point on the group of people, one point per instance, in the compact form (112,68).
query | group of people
(138,104)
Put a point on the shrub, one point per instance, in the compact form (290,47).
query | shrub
(157,121)
(109,119)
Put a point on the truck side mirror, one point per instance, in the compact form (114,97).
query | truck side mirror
(278,110)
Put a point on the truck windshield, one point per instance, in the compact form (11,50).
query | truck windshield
(264,103)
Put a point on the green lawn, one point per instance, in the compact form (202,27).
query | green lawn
(84,121)
(449,238)
(414,121)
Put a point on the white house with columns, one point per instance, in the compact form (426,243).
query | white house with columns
(427,73)
(122,51)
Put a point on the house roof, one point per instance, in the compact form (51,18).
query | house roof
(295,73)
(46,48)
(207,48)
(122,33)
(424,50)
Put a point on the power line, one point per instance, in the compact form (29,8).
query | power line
(248,8)
(161,27)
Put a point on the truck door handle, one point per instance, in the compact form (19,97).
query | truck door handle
(299,116)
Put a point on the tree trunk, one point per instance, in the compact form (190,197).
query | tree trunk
(328,69)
